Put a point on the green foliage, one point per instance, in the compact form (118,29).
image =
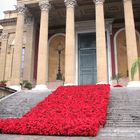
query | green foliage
(117,77)
(135,67)
(3,81)
(26,84)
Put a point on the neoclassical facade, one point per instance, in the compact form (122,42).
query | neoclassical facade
(77,41)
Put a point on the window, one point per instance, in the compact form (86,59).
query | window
(22,62)
(0,48)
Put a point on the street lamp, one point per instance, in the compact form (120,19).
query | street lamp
(59,50)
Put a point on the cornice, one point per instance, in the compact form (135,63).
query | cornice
(7,22)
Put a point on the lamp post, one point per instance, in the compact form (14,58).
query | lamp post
(59,50)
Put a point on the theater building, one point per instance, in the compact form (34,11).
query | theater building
(77,41)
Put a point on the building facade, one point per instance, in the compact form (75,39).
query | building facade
(78,41)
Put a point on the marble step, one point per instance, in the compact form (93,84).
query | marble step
(20,103)
(123,110)
(122,125)
(122,118)
(120,131)
(124,113)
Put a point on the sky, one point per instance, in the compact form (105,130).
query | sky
(6,5)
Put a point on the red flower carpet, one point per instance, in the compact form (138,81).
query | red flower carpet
(68,111)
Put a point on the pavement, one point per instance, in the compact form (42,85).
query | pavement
(23,137)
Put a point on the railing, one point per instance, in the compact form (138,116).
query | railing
(5,91)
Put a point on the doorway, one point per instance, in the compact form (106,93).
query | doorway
(87,67)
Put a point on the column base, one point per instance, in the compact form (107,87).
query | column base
(133,84)
(16,87)
(102,83)
(70,84)
(41,87)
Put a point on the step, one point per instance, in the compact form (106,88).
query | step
(120,131)
(121,111)
(21,102)
(124,108)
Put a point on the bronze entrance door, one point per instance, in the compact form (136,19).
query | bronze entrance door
(87,58)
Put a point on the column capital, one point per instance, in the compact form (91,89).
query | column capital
(4,36)
(126,0)
(20,7)
(98,1)
(70,3)
(44,5)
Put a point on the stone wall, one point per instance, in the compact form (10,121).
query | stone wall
(122,53)
(28,45)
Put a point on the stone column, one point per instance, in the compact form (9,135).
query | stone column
(132,53)
(29,49)
(18,44)
(100,42)
(70,70)
(42,67)
(3,55)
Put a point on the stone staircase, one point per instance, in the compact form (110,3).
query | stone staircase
(124,108)
(123,117)
(21,102)
(123,111)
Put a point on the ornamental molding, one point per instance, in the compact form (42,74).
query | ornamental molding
(4,36)
(98,1)
(21,8)
(44,5)
(7,22)
(70,3)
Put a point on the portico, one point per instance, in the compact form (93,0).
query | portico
(86,29)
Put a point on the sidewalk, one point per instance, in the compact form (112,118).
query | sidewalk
(23,137)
